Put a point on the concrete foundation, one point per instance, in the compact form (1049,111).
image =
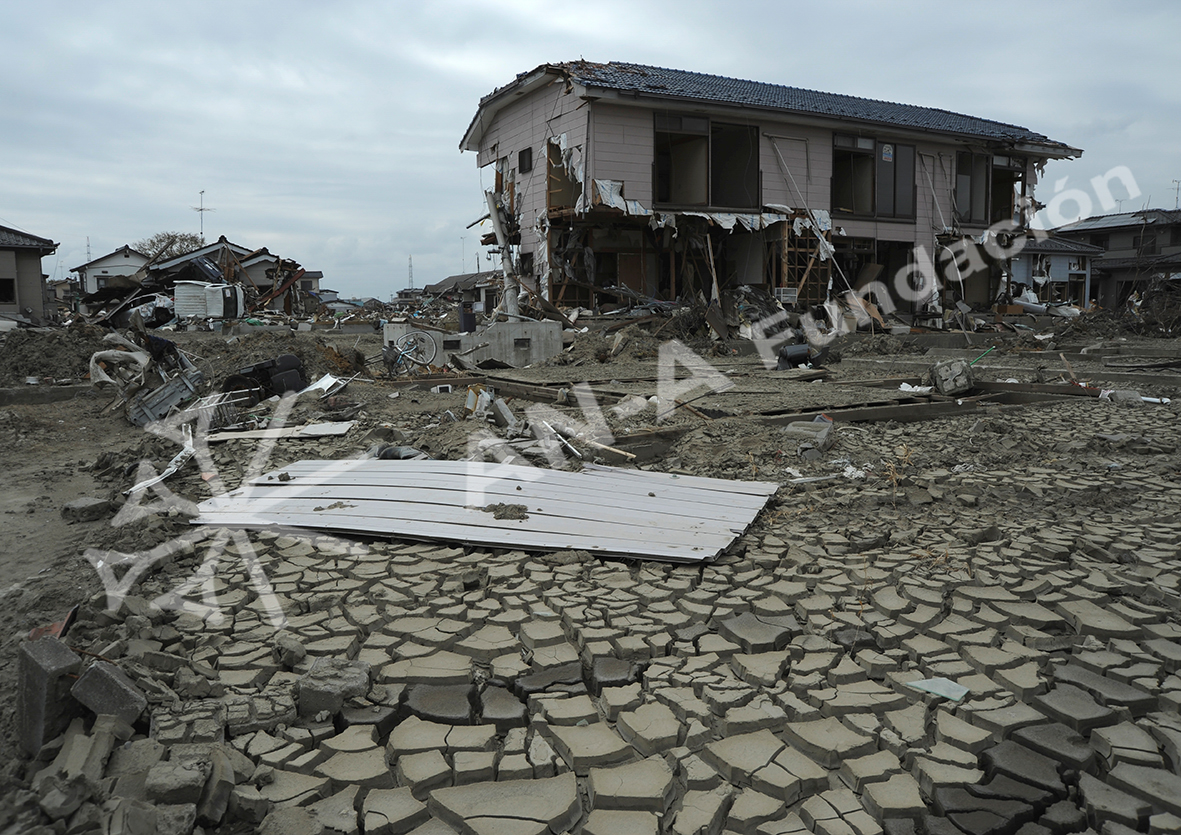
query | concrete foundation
(517,343)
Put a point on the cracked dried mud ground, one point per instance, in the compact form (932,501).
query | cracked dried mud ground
(1029,556)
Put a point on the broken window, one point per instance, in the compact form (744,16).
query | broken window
(734,166)
(1175,236)
(1007,174)
(852,175)
(703,163)
(971,187)
(525,160)
(682,160)
(872,178)
(7,291)
(561,191)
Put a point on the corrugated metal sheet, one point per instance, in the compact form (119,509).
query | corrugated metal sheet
(190,299)
(604,510)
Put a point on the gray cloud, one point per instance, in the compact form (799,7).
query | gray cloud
(329,132)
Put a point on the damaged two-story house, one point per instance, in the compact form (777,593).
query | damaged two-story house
(665,183)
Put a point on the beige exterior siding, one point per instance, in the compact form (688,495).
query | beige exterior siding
(807,154)
(23,269)
(531,122)
(623,149)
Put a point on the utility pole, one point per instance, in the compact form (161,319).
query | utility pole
(201,210)
(411,272)
(1176,194)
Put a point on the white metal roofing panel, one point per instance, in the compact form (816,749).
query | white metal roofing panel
(603,510)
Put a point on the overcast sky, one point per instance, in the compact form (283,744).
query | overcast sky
(329,132)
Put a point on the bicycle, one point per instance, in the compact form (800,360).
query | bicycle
(413,348)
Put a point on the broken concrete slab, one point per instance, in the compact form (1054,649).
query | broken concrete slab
(44,671)
(329,682)
(105,689)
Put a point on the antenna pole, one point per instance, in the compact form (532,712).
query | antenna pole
(201,210)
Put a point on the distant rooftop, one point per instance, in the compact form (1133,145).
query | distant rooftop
(1122,220)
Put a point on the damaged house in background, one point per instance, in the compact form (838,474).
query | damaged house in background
(219,280)
(670,184)
(1134,250)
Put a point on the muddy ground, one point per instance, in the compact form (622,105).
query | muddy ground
(899,476)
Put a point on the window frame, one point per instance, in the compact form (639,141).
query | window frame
(1146,243)
(695,135)
(892,167)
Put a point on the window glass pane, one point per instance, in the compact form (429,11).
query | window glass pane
(885,179)
(979,188)
(904,181)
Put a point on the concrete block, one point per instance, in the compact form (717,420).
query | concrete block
(951,377)
(43,711)
(329,683)
(86,509)
(106,689)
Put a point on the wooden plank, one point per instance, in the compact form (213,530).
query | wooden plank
(1038,388)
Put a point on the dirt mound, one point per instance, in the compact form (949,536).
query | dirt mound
(634,342)
(877,344)
(218,358)
(60,354)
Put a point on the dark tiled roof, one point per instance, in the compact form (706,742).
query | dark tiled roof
(680,84)
(1062,245)
(1124,220)
(452,283)
(16,239)
(1146,265)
